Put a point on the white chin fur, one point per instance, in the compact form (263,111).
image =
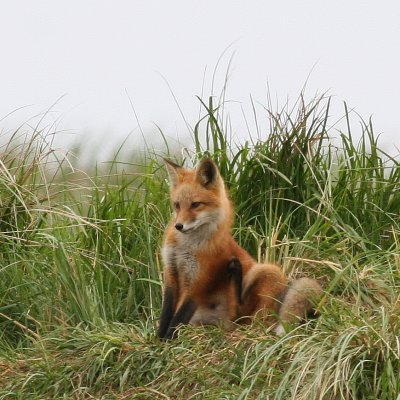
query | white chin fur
(190,227)
(197,234)
(207,223)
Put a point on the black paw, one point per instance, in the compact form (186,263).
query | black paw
(166,337)
(172,333)
(234,267)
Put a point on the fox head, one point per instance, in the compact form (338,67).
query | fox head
(199,198)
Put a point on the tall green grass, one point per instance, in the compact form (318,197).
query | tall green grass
(80,269)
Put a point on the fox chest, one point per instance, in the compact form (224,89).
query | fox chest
(184,261)
(187,266)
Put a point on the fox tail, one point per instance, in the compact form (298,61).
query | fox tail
(298,303)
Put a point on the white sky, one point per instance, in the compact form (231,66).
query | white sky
(95,53)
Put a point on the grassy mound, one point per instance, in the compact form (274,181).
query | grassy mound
(80,269)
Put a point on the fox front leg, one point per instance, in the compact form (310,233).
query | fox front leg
(169,302)
(235,273)
(167,312)
(182,317)
(171,317)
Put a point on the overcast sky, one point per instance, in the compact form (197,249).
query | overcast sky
(98,54)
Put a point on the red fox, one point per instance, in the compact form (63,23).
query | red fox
(208,277)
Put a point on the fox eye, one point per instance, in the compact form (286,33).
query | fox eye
(177,206)
(195,204)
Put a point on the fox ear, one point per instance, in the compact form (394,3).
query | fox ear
(207,173)
(173,172)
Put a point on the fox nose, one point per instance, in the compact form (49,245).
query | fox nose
(179,226)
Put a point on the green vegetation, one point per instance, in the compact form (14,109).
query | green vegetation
(80,269)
